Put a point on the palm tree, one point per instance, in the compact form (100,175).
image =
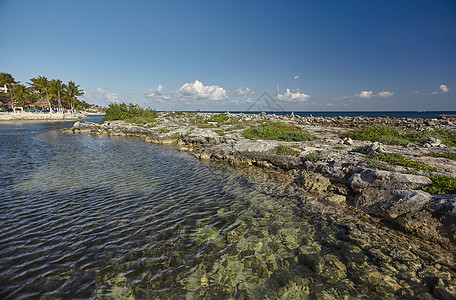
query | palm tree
(73,92)
(56,87)
(8,80)
(41,83)
(21,93)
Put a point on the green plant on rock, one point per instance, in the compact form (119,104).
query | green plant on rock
(219,132)
(176,135)
(285,150)
(441,185)
(391,136)
(278,131)
(314,156)
(378,133)
(398,159)
(218,118)
(443,155)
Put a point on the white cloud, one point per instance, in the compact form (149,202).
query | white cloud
(242,92)
(444,88)
(370,94)
(157,94)
(385,94)
(293,96)
(101,97)
(296,77)
(365,94)
(197,90)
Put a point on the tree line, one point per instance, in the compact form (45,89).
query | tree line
(41,92)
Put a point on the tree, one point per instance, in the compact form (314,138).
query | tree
(8,80)
(73,92)
(56,88)
(41,83)
(21,94)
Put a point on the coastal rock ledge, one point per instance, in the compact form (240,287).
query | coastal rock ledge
(338,170)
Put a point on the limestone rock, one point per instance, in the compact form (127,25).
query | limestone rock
(392,203)
(373,148)
(385,180)
(431,142)
(314,182)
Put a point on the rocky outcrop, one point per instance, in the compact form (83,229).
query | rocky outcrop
(337,170)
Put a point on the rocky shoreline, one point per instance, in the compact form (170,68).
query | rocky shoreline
(26,116)
(338,170)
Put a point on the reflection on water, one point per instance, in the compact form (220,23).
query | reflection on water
(99,217)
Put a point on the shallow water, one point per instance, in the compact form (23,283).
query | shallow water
(100,217)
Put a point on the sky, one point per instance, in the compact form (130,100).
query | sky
(352,55)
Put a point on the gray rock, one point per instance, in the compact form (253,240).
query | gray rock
(373,148)
(431,142)
(392,203)
(385,180)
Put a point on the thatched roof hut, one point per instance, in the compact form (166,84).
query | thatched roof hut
(41,103)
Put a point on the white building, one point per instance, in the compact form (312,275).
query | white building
(4,89)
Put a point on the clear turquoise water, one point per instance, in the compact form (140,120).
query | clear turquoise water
(99,217)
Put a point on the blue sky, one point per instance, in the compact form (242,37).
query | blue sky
(223,55)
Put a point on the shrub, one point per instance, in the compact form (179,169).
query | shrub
(123,111)
(278,131)
(441,185)
(285,150)
(398,159)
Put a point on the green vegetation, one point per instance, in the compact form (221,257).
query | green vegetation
(219,118)
(41,93)
(378,133)
(219,132)
(391,136)
(444,155)
(129,112)
(176,135)
(441,185)
(398,159)
(285,150)
(314,156)
(174,114)
(278,131)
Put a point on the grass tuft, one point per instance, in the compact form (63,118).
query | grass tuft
(285,150)
(391,136)
(441,185)
(398,159)
(444,155)
(278,131)
(314,156)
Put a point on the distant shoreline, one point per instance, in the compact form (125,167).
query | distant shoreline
(27,116)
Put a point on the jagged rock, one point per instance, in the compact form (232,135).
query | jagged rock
(314,182)
(385,180)
(431,142)
(346,141)
(373,148)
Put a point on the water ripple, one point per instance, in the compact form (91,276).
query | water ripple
(94,217)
